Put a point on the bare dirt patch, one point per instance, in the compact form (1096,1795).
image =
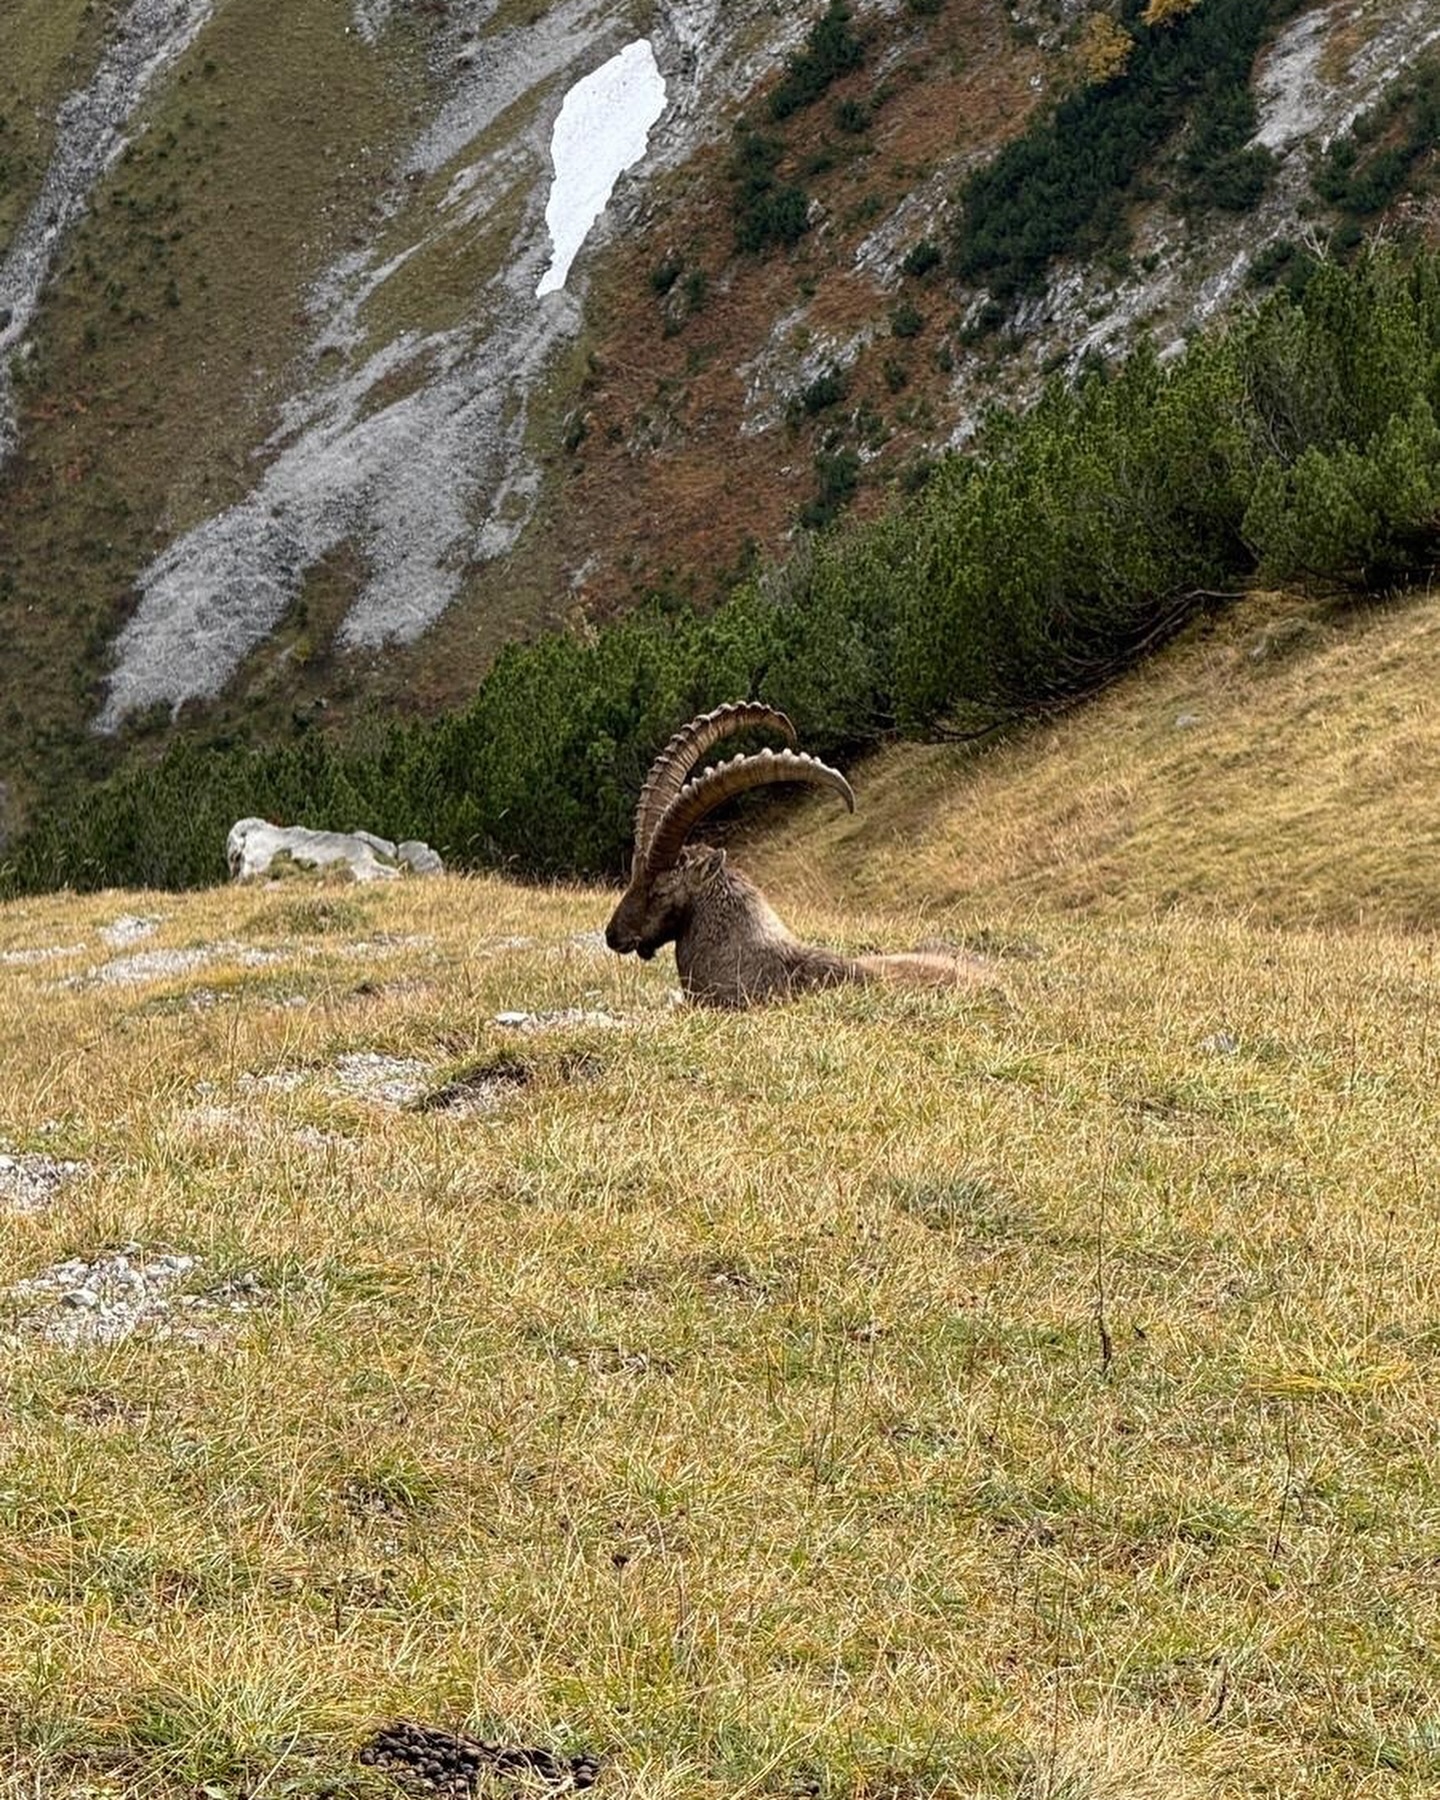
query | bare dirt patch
(477,1091)
(92,1301)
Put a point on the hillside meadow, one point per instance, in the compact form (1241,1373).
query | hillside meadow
(1023,1394)
(1280,764)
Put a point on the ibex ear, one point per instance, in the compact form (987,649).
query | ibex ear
(708,861)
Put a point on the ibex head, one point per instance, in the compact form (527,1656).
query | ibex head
(666,879)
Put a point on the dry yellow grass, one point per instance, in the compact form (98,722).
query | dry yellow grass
(1301,788)
(1027,1395)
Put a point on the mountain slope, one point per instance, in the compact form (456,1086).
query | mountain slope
(1280,764)
(296,440)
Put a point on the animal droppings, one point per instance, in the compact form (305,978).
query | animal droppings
(449,1762)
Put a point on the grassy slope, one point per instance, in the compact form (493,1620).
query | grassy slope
(47,48)
(1015,1395)
(1302,789)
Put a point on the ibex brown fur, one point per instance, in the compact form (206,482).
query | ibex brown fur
(730,946)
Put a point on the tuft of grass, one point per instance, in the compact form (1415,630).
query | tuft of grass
(965,1203)
(323,913)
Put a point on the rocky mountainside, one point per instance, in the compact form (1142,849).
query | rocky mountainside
(295,426)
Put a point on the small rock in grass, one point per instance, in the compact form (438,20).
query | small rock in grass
(28,1183)
(107,1298)
(129,928)
(590,943)
(392,1080)
(554,1021)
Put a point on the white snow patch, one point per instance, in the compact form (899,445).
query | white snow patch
(402,481)
(604,127)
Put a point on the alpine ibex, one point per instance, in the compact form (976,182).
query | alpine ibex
(730,947)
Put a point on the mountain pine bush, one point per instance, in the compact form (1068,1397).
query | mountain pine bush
(1300,443)
(1058,189)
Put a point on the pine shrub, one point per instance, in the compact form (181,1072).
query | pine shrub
(1301,442)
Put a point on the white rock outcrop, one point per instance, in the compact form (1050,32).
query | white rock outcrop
(254,846)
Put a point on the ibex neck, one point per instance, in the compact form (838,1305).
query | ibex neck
(730,910)
(735,948)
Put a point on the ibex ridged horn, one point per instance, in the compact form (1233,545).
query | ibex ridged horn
(671,768)
(716,786)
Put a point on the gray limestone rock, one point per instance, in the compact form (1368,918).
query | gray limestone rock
(255,847)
